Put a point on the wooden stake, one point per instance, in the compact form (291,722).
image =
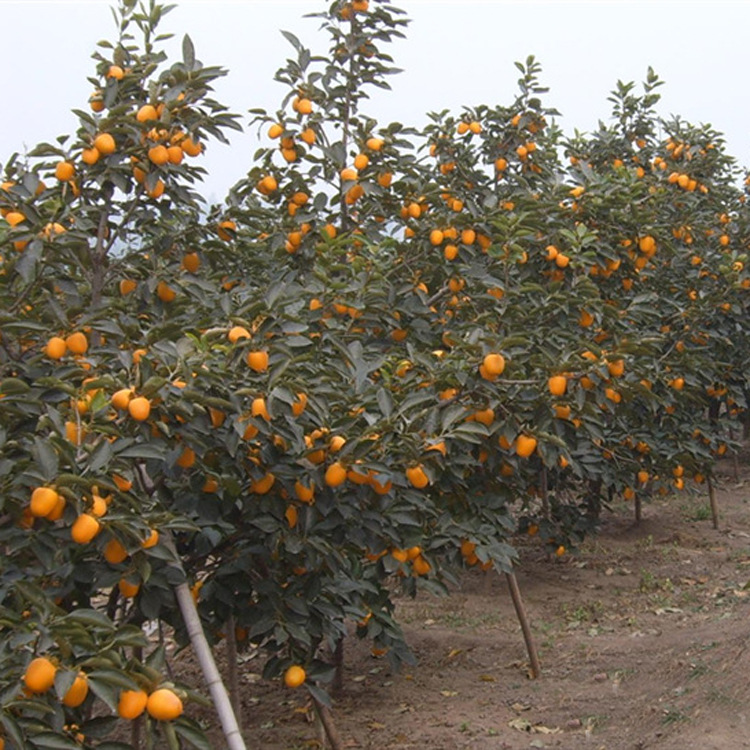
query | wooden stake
(515,595)
(712,500)
(219,696)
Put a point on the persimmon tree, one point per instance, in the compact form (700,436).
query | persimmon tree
(93,220)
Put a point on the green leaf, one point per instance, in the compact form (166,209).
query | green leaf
(172,739)
(143,451)
(112,677)
(157,659)
(130,636)
(319,695)
(192,734)
(292,40)
(14,387)
(54,741)
(90,617)
(101,456)
(188,52)
(13,731)
(106,692)
(385,402)
(152,386)
(46,458)
(28,261)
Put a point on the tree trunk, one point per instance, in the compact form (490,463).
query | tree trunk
(594,499)
(544,491)
(338,662)
(326,719)
(232,674)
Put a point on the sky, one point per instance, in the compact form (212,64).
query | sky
(457,52)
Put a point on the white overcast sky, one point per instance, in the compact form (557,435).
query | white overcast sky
(457,52)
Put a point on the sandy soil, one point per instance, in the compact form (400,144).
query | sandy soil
(642,633)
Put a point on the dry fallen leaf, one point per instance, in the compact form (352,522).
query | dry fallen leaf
(454,652)
(668,611)
(522,725)
(486,678)
(448,693)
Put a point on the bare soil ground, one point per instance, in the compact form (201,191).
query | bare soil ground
(643,635)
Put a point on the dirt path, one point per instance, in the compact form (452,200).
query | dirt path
(643,635)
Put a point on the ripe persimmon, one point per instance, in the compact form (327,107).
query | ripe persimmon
(557,384)
(39,676)
(77,343)
(132,704)
(257,360)
(525,445)
(127,588)
(158,155)
(494,364)
(294,676)
(335,474)
(64,171)
(115,552)
(105,144)
(77,692)
(43,501)
(164,705)
(304,493)
(139,408)
(417,476)
(84,528)
(56,348)
(191,147)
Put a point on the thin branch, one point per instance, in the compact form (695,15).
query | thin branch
(116,234)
